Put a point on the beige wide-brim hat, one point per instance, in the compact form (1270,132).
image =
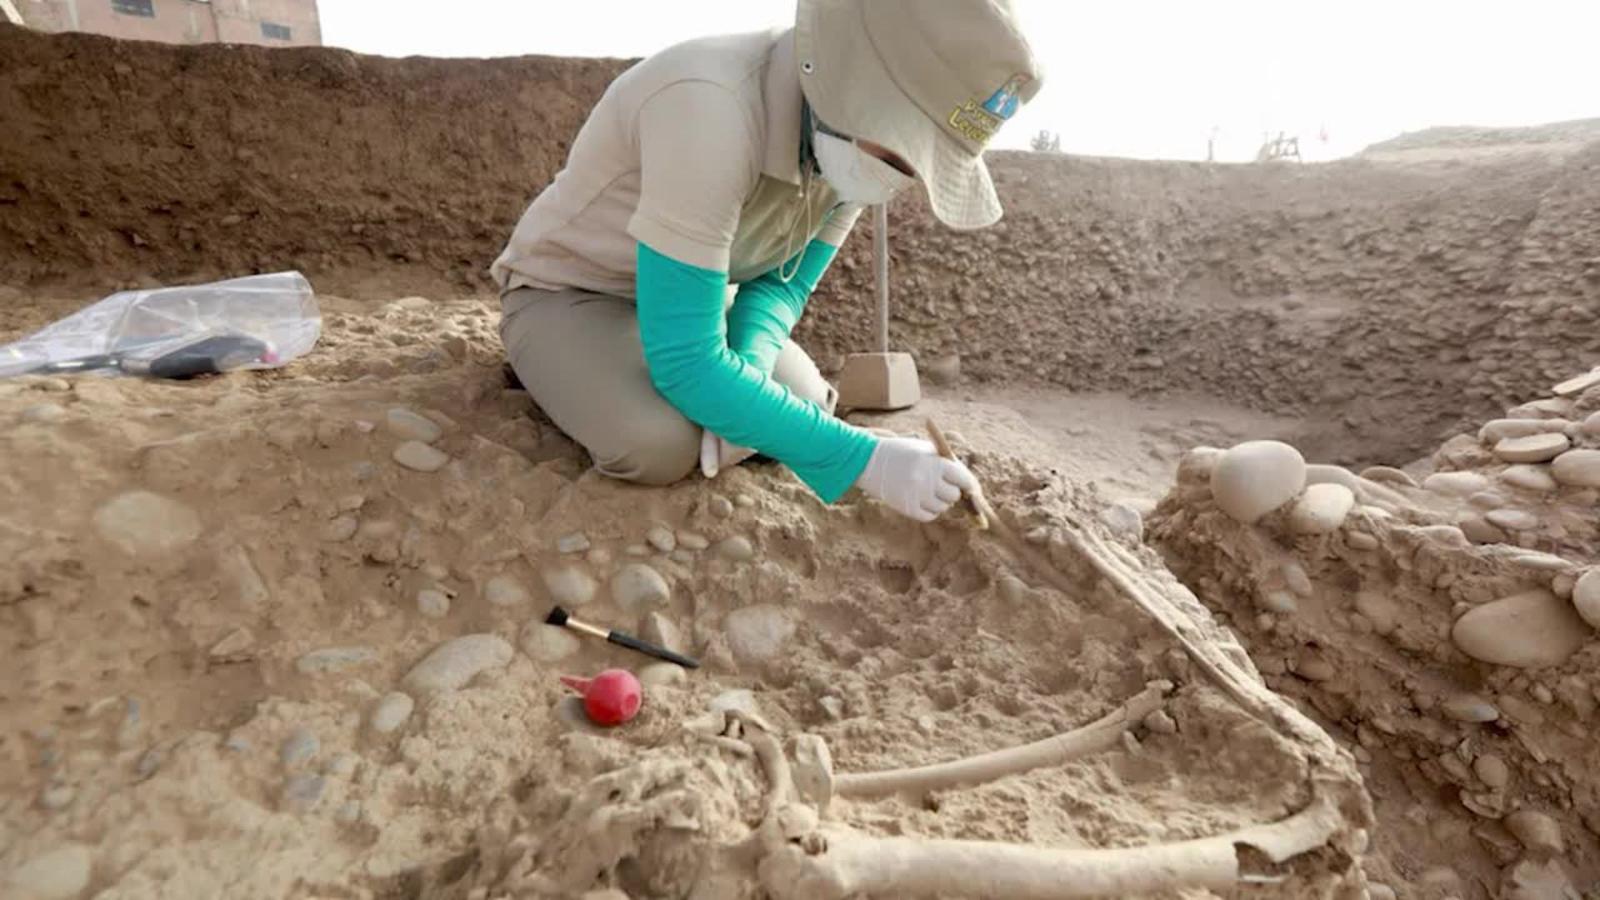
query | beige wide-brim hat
(932,80)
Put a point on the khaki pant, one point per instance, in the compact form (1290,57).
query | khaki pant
(579,357)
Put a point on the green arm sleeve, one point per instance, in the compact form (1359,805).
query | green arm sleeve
(684,335)
(766,309)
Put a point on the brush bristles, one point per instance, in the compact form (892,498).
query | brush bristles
(558,616)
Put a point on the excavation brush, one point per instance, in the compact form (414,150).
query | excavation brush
(562,619)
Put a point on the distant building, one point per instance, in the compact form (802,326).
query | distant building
(273,23)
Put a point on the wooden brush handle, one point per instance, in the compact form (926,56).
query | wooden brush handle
(945,450)
(939,441)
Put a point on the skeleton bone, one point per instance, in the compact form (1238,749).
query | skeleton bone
(813,770)
(794,855)
(610,818)
(1099,735)
(658,813)
(732,745)
(1113,564)
(1217,666)
(853,864)
(803,860)
(1221,670)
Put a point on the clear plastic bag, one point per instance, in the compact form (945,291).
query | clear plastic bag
(255,322)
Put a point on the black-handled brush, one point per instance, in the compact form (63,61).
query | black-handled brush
(562,618)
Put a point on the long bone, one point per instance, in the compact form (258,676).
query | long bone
(1225,673)
(1099,735)
(802,860)
(854,864)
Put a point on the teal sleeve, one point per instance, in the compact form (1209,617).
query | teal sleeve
(767,308)
(684,334)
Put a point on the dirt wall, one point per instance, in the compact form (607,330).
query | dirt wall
(128,161)
(1386,303)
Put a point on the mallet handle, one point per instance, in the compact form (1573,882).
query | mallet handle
(880,252)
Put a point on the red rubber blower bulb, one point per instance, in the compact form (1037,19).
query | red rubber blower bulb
(610,698)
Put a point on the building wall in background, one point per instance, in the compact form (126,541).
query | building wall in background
(272,23)
(242,21)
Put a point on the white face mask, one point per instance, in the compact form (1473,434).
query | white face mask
(856,175)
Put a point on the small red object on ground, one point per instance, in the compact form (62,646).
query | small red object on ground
(610,698)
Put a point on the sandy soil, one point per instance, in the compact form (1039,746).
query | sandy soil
(1127,448)
(220,583)
(278,634)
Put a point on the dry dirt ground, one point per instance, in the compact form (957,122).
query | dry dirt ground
(256,649)
(219,584)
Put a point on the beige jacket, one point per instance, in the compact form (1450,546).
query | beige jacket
(696,153)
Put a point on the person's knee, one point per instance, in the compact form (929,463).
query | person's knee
(820,392)
(796,371)
(655,451)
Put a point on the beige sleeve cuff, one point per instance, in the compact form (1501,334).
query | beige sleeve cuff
(698,162)
(668,239)
(839,223)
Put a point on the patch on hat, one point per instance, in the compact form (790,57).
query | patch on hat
(978,122)
(1003,103)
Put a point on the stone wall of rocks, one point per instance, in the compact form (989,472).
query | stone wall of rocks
(1446,621)
(1551,310)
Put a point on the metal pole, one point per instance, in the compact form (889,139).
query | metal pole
(880,244)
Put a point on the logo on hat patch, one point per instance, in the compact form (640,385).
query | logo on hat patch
(1004,102)
(978,122)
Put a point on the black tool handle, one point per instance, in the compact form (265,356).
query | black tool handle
(214,354)
(633,643)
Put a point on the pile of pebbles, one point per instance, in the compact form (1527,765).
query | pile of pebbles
(1444,617)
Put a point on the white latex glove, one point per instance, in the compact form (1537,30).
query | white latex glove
(911,477)
(717,454)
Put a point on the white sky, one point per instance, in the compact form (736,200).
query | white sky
(1139,78)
